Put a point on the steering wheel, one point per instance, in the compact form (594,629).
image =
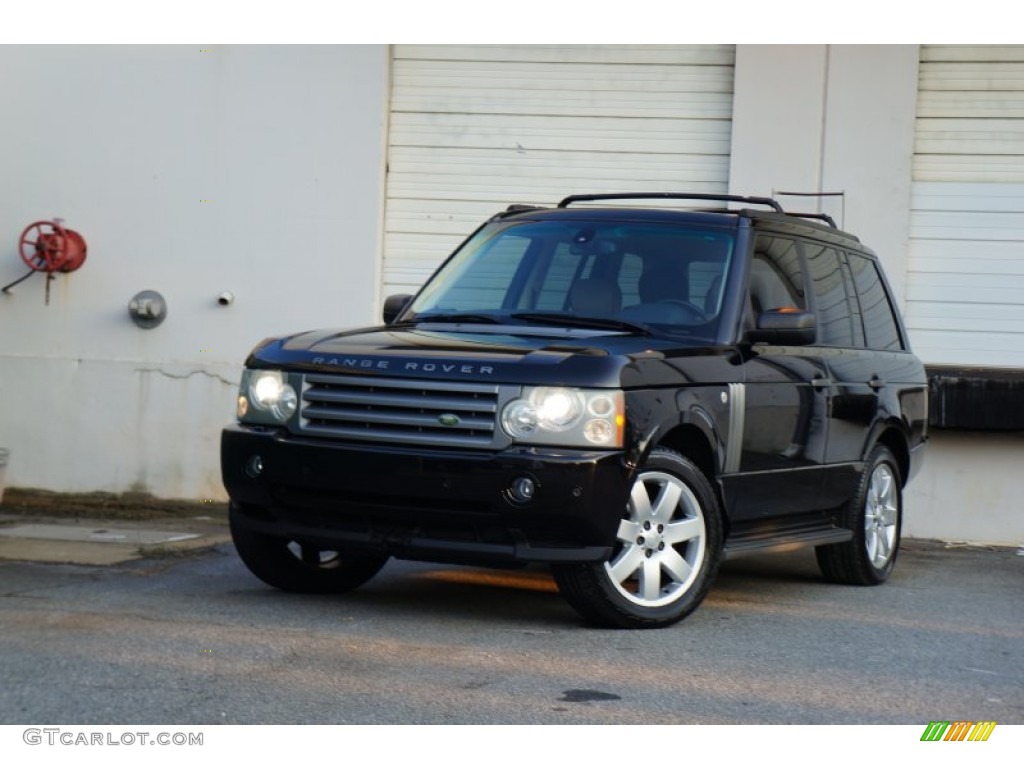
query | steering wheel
(698,315)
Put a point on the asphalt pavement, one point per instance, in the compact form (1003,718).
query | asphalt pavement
(176,630)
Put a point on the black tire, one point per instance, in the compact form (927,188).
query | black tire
(297,566)
(875,515)
(668,552)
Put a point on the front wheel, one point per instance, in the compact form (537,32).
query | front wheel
(300,566)
(667,554)
(875,516)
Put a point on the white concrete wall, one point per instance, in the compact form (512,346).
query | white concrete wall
(287,145)
(254,169)
(968,491)
(814,118)
(871,108)
(778,119)
(842,118)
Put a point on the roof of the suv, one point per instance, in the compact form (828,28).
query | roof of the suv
(817,224)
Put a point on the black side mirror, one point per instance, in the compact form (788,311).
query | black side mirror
(796,327)
(393,306)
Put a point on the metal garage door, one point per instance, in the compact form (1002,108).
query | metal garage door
(965,290)
(474,128)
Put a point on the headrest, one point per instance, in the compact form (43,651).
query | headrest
(595,297)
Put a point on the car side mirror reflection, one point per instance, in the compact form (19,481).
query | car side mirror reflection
(393,306)
(784,326)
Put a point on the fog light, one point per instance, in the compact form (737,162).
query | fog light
(254,466)
(522,490)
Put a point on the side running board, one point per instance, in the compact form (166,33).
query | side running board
(765,536)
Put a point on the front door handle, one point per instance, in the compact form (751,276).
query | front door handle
(876,382)
(820,383)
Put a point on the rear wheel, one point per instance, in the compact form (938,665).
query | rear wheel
(668,551)
(295,565)
(875,516)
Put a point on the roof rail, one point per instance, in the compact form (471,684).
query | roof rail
(821,216)
(565,203)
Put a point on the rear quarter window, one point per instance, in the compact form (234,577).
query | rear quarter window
(880,327)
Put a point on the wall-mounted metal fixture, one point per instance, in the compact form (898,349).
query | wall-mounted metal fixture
(226,298)
(48,247)
(147,309)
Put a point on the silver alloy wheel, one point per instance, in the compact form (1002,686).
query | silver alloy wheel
(312,556)
(662,541)
(881,516)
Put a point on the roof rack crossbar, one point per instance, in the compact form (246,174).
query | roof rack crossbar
(774,204)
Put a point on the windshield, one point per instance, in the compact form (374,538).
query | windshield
(629,276)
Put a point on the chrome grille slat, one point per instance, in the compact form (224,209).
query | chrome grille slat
(391,417)
(403,411)
(391,399)
(405,438)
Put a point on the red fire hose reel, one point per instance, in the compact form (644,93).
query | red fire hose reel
(49,247)
(46,246)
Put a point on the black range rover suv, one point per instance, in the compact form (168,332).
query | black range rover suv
(628,394)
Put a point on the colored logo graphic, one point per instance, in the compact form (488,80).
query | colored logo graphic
(958,730)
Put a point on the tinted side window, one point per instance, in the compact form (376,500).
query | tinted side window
(835,322)
(880,324)
(776,277)
(851,300)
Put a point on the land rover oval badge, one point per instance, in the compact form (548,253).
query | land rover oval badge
(448,420)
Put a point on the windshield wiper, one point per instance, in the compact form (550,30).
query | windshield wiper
(576,321)
(456,317)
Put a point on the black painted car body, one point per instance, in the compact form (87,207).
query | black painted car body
(626,394)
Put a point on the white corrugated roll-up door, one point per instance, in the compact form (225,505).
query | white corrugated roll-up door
(476,128)
(965,287)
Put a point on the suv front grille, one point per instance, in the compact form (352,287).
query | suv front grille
(401,411)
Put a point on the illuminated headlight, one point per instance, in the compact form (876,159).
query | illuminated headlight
(564,416)
(266,397)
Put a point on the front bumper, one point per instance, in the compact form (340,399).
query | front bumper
(424,504)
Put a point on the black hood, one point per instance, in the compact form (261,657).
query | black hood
(527,354)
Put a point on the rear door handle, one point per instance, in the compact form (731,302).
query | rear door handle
(876,382)
(820,383)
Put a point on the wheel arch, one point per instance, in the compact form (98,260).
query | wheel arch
(690,441)
(893,437)
(693,443)
(684,423)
